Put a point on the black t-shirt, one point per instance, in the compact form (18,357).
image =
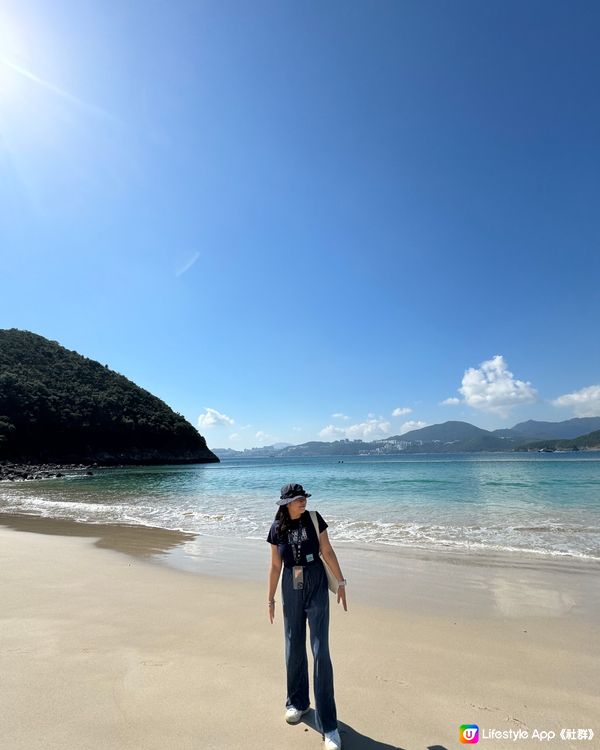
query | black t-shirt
(302,529)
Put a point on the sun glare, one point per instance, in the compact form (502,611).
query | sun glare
(12,49)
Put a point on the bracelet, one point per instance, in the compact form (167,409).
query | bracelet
(271,602)
(343,582)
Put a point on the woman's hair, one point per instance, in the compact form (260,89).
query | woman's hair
(282,518)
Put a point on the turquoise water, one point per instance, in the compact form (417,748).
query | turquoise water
(547,504)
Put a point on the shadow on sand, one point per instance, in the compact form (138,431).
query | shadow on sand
(353,740)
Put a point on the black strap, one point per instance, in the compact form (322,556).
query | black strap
(297,548)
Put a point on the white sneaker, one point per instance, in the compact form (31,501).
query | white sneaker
(333,740)
(293,715)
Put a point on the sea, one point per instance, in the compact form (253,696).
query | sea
(541,504)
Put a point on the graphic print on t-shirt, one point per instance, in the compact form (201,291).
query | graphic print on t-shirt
(293,536)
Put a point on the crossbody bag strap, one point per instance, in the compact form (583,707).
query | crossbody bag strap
(313,515)
(332,583)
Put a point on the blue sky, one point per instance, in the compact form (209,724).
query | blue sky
(271,213)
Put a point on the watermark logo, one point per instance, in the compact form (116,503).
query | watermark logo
(468,734)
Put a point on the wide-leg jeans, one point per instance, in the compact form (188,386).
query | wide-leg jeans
(299,605)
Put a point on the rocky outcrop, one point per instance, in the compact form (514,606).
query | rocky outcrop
(11,472)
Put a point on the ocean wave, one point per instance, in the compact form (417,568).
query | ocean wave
(549,539)
(497,509)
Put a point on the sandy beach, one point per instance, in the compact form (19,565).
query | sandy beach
(102,645)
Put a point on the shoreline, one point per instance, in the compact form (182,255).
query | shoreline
(27,471)
(520,507)
(482,584)
(103,645)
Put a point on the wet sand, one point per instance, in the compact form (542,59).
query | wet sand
(101,647)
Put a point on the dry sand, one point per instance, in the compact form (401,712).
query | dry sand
(102,649)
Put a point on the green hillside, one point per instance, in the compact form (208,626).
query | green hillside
(445,432)
(583,442)
(449,437)
(567,430)
(58,406)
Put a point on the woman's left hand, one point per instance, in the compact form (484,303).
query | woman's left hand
(341,596)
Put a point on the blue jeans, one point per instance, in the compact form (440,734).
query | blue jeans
(310,602)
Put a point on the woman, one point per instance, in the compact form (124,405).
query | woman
(295,547)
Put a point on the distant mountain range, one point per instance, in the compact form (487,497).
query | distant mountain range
(590,441)
(569,429)
(450,437)
(264,452)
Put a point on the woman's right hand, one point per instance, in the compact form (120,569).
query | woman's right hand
(272,612)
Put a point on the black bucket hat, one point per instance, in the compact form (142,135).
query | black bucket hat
(290,492)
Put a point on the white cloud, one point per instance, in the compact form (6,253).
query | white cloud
(369,430)
(297,429)
(213,418)
(452,401)
(260,435)
(413,424)
(493,388)
(339,415)
(331,432)
(234,436)
(400,411)
(187,265)
(585,402)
